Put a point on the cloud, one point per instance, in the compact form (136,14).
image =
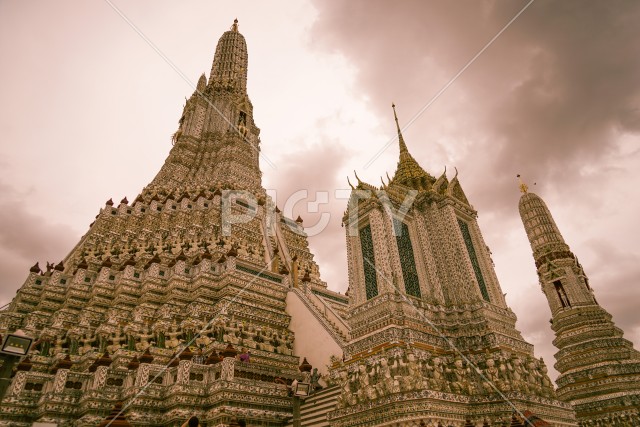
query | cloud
(617,290)
(26,238)
(554,98)
(556,89)
(314,171)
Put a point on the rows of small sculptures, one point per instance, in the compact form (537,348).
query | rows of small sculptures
(407,370)
(163,334)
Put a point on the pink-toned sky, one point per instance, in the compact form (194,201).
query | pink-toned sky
(87,109)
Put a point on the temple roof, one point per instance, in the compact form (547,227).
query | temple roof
(409,172)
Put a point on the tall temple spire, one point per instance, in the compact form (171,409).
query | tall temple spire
(409,172)
(153,278)
(217,142)
(599,369)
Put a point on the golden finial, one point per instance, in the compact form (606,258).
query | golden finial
(234,27)
(393,105)
(523,186)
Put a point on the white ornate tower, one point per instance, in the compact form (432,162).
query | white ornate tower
(430,328)
(154,304)
(217,142)
(599,369)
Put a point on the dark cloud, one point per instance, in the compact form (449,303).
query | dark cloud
(556,89)
(26,238)
(617,290)
(554,98)
(316,171)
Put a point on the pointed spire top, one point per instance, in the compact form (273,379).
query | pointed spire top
(523,187)
(409,172)
(229,68)
(403,146)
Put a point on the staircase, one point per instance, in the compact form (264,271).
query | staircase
(332,321)
(313,410)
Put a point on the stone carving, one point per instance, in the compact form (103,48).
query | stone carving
(117,341)
(491,376)
(145,339)
(412,375)
(517,375)
(184,368)
(228,369)
(172,335)
(386,384)
(438,379)
(460,377)
(347,396)
(60,380)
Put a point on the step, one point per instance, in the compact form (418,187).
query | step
(314,409)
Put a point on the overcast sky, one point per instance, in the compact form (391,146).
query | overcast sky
(87,108)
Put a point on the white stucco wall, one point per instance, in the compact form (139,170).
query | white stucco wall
(312,340)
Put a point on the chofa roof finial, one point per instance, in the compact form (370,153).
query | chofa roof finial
(350,185)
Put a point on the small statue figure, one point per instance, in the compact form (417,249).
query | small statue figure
(438,380)
(491,376)
(173,340)
(117,340)
(505,379)
(347,397)
(545,382)
(517,375)
(144,336)
(533,376)
(387,384)
(365,390)
(315,377)
(412,378)
(460,381)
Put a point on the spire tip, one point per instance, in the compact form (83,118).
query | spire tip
(523,187)
(403,147)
